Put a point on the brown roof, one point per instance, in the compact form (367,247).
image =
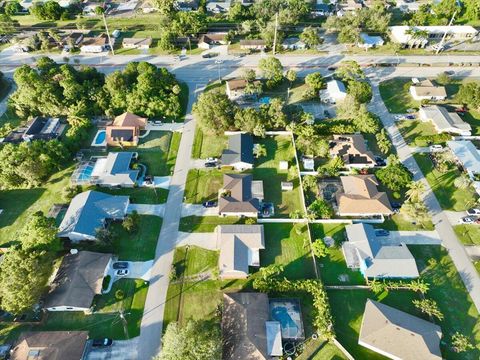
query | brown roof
(361,196)
(213,37)
(98,40)
(399,334)
(238,197)
(50,345)
(428,88)
(352,149)
(239,84)
(243,326)
(129,119)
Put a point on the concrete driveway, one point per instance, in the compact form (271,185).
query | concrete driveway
(455,217)
(164,127)
(147,209)
(120,349)
(411,238)
(198,210)
(204,240)
(137,270)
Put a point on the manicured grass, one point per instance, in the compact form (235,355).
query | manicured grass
(329,352)
(279,148)
(106,321)
(203,185)
(473,118)
(141,195)
(333,265)
(141,245)
(395,93)
(288,245)
(398,222)
(194,260)
(206,223)
(19,204)
(411,130)
(468,234)
(442,184)
(448,290)
(173,151)
(205,146)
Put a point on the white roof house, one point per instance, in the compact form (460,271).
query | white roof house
(335,91)
(400,34)
(444,121)
(114,170)
(370,41)
(468,155)
(427,90)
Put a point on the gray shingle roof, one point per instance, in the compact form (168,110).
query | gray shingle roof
(240,197)
(240,149)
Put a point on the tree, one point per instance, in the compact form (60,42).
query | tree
(310,37)
(99,10)
(12,8)
(7,25)
(415,191)
(462,182)
(383,141)
(365,121)
(469,94)
(429,307)
(69,192)
(443,78)
(249,75)
(165,7)
(321,209)
(361,91)
(250,120)
(215,112)
(272,70)
(395,175)
(49,10)
(315,81)
(291,76)
(104,236)
(416,211)
(195,340)
(131,222)
(472,9)
(332,167)
(349,70)
(319,248)
(461,343)
(40,233)
(445,9)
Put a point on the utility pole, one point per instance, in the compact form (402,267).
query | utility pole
(108,33)
(275,36)
(440,45)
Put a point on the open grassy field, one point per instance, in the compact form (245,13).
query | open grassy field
(203,185)
(442,184)
(468,234)
(411,130)
(205,146)
(395,93)
(206,223)
(266,168)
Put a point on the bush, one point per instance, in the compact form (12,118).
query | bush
(119,294)
(106,282)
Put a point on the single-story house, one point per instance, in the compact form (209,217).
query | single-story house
(370,41)
(89,211)
(427,90)
(293,43)
(235,88)
(240,247)
(468,156)
(353,151)
(335,92)
(287,186)
(114,170)
(72,39)
(445,121)
(240,195)
(94,44)
(125,130)
(247,332)
(363,251)
(77,281)
(321,9)
(209,40)
(39,128)
(403,34)
(360,197)
(187,5)
(239,153)
(255,44)
(50,345)
(137,43)
(398,335)
(218,7)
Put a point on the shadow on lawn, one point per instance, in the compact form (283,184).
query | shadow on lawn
(16,202)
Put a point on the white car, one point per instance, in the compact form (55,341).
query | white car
(468,220)
(473,211)
(122,272)
(436,148)
(211,160)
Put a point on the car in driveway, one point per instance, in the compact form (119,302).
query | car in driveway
(120,265)
(435,148)
(122,272)
(210,164)
(468,219)
(209,204)
(104,342)
(382,232)
(379,161)
(473,211)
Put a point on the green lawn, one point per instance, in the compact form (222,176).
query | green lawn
(442,184)
(411,130)
(279,148)
(206,223)
(140,195)
(398,222)
(106,321)
(395,93)
(468,234)
(288,245)
(141,245)
(473,118)
(205,146)
(447,289)
(329,352)
(333,266)
(203,185)
(194,260)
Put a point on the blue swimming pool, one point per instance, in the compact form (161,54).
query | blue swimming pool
(287,313)
(100,138)
(85,174)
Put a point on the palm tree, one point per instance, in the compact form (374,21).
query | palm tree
(462,182)
(415,191)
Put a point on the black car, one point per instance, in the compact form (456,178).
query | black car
(102,342)
(209,204)
(209,55)
(379,161)
(396,205)
(326,113)
(120,265)
(210,164)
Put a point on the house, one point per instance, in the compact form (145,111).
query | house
(247,332)
(137,43)
(209,40)
(445,121)
(255,45)
(468,156)
(308,163)
(353,151)
(398,335)
(407,6)
(218,7)
(147,7)
(240,247)
(240,196)
(39,128)
(125,130)
(293,43)
(94,44)
(235,88)
(187,5)
(404,35)
(348,6)
(287,185)
(369,41)
(335,92)
(365,252)
(115,170)
(77,281)
(360,197)
(89,211)
(427,90)
(72,39)
(50,345)
(321,9)
(239,153)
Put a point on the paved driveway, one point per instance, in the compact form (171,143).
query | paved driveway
(455,217)
(198,210)
(147,209)
(120,349)
(411,238)
(138,270)
(164,127)
(203,240)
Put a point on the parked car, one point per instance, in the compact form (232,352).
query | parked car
(122,272)
(435,148)
(326,113)
(331,68)
(382,232)
(410,117)
(102,342)
(468,219)
(396,205)
(211,160)
(209,204)
(120,265)
(209,55)
(379,161)
(473,211)
(210,164)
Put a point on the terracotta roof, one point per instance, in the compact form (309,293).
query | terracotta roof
(129,119)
